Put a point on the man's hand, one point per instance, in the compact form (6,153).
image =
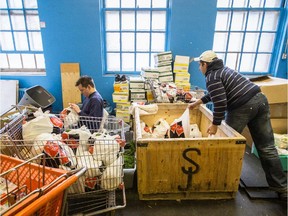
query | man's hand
(75,107)
(212,129)
(195,104)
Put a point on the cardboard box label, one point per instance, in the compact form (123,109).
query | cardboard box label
(118,98)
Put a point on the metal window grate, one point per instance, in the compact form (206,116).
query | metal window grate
(133,31)
(21,49)
(246,33)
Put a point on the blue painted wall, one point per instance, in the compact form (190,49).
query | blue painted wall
(73,34)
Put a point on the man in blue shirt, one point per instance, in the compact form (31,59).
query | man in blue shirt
(93,104)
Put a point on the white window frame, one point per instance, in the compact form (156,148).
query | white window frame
(252,56)
(21,48)
(121,49)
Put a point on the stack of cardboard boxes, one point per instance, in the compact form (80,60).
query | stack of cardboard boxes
(137,89)
(163,68)
(181,74)
(275,90)
(163,62)
(121,98)
(150,73)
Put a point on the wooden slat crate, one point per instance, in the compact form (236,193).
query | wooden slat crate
(188,168)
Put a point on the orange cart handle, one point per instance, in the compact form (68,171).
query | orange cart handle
(46,198)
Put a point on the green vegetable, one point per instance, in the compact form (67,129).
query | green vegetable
(129,155)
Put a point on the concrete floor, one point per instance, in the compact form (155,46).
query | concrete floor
(242,205)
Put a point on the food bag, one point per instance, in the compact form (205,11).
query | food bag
(180,128)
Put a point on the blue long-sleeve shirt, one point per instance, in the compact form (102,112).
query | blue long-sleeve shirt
(227,89)
(93,105)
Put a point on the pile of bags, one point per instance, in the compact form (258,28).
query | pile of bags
(75,148)
(169,93)
(179,128)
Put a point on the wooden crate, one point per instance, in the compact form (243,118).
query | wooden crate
(188,168)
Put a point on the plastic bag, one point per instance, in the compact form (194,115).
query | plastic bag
(180,128)
(111,177)
(106,148)
(69,116)
(41,124)
(104,119)
(145,130)
(160,128)
(194,131)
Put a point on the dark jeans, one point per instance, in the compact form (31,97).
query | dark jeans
(256,115)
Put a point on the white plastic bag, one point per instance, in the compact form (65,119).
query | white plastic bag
(111,177)
(145,130)
(194,131)
(143,109)
(69,116)
(160,128)
(41,124)
(104,119)
(180,128)
(106,151)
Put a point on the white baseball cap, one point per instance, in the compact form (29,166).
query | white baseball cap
(207,56)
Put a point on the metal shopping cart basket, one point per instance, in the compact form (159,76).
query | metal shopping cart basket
(95,143)
(28,188)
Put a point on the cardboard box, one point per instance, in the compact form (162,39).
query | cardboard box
(181,64)
(150,73)
(164,67)
(120,98)
(121,87)
(137,94)
(166,73)
(124,115)
(278,110)
(182,77)
(123,106)
(164,56)
(137,82)
(166,78)
(274,88)
(137,85)
(186,86)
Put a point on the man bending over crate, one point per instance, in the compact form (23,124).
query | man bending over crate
(245,104)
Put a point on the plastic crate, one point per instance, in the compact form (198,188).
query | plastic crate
(38,97)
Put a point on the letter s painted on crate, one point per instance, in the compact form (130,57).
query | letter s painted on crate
(190,171)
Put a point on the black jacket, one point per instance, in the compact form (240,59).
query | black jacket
(227,89)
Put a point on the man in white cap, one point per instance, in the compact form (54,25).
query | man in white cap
(240,102)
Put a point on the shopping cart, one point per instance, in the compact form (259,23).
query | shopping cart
(28,188)
(101,189)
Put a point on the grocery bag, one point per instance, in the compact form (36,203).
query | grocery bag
(180,128)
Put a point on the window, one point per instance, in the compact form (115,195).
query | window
(133,31)
(245,33)
(20,38)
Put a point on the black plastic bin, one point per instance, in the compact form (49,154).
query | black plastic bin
(37,96)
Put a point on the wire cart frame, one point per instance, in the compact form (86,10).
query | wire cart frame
(23,183)
(101,189)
